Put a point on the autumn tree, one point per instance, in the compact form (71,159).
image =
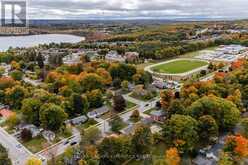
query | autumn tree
(15,95)
(225,159)
(135,116)
(225,113)
(95,98)
(106,77)
(166,97)
(172,157)
(182,131)
(142,140)
(237,145)
(124,85)
(33,161)
(12,121)
(119,103)
(91,82)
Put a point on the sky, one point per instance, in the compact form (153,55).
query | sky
(137,9)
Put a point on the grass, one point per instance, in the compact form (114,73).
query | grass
(130,105)
(181,66)
(89,123)
(36,144)
(149,111)
(144,98)
(158,151)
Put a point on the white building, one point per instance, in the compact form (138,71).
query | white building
(113,56)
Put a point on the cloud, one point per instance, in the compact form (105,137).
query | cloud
(128,9)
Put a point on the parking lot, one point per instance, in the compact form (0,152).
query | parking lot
(225,53)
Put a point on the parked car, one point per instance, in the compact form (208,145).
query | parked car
(66,142)
(73,143)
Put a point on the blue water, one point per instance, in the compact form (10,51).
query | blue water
(35,40)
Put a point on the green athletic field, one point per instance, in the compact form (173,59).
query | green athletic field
(180,66)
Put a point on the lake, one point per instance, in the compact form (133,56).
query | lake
(34,40)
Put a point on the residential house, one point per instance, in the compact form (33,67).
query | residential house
(155,129)
(113,56)
(131,56)
(92,55)
(79,120)
(98,112)
(6,113)
(34,130)
(73,58)
(158,116)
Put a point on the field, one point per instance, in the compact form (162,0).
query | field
(180,66)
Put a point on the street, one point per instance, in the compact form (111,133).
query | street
(17,152)
(103,126)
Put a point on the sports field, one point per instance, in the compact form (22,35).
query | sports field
(179,66)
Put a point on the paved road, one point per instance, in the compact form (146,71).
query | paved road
(59,148)
(18,155)
(103,125)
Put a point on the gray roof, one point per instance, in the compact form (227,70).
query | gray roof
(101,110)
(80,119)
(158,113)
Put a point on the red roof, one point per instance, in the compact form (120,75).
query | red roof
(6,113)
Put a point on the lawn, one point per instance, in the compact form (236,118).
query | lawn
(180,66)
(86,125)
(36,144)
(130,105)
(158,151)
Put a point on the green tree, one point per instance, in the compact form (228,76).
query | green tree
(122,72)
(142,140)
(52,116)
(12,121)
(31,110)
(116,124)
(91,82)
(89,136)
(16,75)
(15,95)
(114,150)
(79,104)
(225,159)
(95,98)
(208,129)
(124,85)
(225,113)
(176,107)
(40,60)
(4,158)
(182,131)
(244,125)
